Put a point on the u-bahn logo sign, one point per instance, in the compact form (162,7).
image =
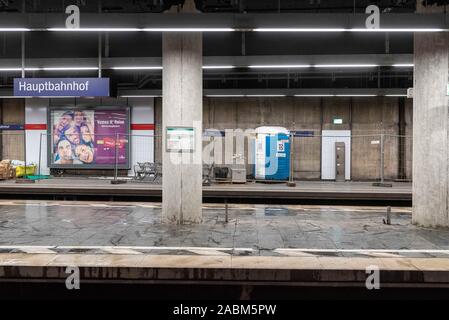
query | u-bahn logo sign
(61,87)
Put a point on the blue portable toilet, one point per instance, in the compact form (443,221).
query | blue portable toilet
(272,153)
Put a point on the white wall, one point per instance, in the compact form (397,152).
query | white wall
(36,114)
(142,142)
(328,153)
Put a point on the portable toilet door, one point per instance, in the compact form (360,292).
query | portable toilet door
(278,151)
(272,150)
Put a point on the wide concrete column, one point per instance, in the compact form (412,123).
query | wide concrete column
(431,130)
(182,106)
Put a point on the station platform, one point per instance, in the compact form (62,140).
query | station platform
(304,190)
(258,251)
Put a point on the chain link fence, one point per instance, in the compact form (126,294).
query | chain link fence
(373,157)
(138,157)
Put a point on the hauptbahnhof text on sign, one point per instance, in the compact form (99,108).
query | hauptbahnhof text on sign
(61,87)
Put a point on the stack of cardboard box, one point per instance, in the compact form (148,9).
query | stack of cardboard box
(6,170)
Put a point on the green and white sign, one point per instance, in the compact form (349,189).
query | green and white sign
(180,139)
(337,121)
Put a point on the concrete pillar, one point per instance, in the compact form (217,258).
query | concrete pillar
(182,106)
(430,130)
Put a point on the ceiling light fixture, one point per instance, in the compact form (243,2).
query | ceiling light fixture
(299,29)
(280,66)
(265,95)
(94,29)
(188,29)
(63,69)
(137,68)
(218,67)
(314,95)
(225,95)
(356,95)
(10,69)
(14,29)
(346,65)
(397,30)
(141,96)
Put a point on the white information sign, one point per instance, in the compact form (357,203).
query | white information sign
(180,139)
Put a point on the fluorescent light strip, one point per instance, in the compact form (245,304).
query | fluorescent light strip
(160,67)
(356,95)
(50,69)
(94,29)
(141,96)
(282,66)
(349,30)
(276,66)
(397,30)
(10,69)
(225,95)
(395,95)
(218,67)
(6,69)
(265,95)
(14,29)
(296,95)
(244,95)
(299,29)
(138,68)
(346,65)
(100,29)
(188,29)
(314,95)
(141,29)
(62,68)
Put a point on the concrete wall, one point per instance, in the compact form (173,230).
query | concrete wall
(366,117)
(370,117)
(408,141)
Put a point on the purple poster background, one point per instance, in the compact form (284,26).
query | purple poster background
(109,124)
(89,137)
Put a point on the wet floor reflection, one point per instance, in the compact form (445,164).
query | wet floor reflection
(250,226)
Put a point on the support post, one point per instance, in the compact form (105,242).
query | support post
(182,111)
(431,130)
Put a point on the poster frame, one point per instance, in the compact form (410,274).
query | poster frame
(167,149)
(51,165)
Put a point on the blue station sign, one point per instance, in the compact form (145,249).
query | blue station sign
(12,127)
(61,87)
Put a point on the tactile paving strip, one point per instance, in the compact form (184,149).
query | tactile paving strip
(214,251)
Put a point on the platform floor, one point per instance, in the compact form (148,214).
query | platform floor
(303,190)
(261,228)
(260,245)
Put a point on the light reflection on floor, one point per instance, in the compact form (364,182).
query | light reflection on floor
(263,228)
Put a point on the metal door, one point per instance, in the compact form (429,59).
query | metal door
(340,161)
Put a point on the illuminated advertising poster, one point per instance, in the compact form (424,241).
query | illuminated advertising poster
(89,138)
